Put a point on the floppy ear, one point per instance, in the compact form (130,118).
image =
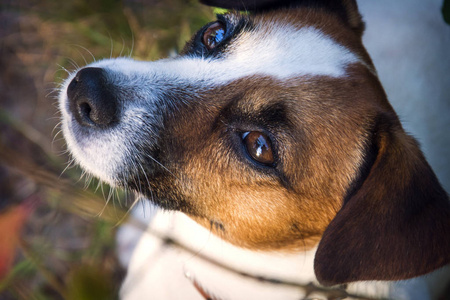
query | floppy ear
(347,10)
(395,225)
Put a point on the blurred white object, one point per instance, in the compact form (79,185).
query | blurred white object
(409,43)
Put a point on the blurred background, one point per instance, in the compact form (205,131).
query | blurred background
(57,231)
(57,234)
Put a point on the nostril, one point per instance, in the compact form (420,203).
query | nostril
(84,109)
(92,100)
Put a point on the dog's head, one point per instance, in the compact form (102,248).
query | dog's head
(271,129)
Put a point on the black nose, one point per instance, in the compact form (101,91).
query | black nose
(91,98)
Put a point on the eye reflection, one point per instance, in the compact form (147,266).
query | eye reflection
(213,35)
(258,147)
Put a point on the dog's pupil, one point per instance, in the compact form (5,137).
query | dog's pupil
(213,35)
(259,147)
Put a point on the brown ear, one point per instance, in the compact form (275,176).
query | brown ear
(395,225)
(347,10)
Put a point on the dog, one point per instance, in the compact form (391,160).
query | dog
(271,131)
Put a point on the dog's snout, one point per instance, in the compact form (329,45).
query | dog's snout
(91,98)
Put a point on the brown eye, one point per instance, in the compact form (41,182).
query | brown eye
(258,147)
(213,35)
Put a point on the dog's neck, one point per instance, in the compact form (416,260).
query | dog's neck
(187,254)
(178,228)
(193,254)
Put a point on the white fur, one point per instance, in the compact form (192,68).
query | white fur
(168,278)
(165,271)
(281,51)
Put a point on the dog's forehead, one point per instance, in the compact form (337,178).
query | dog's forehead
(270,47)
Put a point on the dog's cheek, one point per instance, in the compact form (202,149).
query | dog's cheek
(264,220)
(250,210)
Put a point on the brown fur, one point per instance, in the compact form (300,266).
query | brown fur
(339,144)
(395,226)
(346,176)
(320,140)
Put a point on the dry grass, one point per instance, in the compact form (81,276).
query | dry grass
(63,242)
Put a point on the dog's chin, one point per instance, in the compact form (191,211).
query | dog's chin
(136,173)
(92,157)
(157,186)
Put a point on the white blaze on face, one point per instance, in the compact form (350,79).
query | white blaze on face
(280,51)
(277,50)
(283,52)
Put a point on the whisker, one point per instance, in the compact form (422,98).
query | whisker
(74,64)
(139,181)
(112,46)
(52,90)
(143,206)
(118,198)
(132,45)
(108,200)
(160,164)
(87,50)
(59,140)
(98,186)
(69,165)
(56,135)
(102,189)
(84,58)
(143,172)
(151,196)
(112,195)
(62,152)
(123,47)
(86,183)
(64,69)
(55,117)
(89,179)
(83,173)
(128,212)
(58,125)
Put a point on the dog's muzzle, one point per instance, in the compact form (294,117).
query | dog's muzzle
(111,121)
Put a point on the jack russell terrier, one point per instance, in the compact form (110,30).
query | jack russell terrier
(271,131)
